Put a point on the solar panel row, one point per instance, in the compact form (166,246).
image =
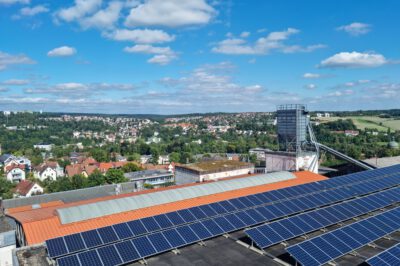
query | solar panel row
(152,244)
(332,245)
(287,201)
(276,232)
(387,257)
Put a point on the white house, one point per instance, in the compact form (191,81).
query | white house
(15,173)
(48,170)
(27,188)
(43,146)
(12,160)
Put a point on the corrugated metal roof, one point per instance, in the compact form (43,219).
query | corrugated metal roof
(99,209)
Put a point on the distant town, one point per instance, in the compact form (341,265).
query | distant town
(50,152)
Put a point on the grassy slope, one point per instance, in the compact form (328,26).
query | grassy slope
(362,122)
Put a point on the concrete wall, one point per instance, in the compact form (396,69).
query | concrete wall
(6,258)
(186,177)
(215,176)
(279,162)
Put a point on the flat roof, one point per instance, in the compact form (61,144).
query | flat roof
(215,166)
(138,175)
(42,224)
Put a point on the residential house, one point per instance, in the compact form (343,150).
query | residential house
(145,159)
(15,172)
(163,159)
(351,133)
(13,160)
(43,146)
(48,170)
(27,188)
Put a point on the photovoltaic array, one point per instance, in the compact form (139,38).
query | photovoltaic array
(152,235)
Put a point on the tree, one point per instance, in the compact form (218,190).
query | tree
(134,157)
(96,179)
(78,181)
(63,163)
(131,167)
(155,154)
(114,176)
(6,188)
(174,157)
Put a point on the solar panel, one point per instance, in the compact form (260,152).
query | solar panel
(56,247)
(346,236)
(127,251)
(91,238)
(109,255)
(71,260)
(201,231)
(187,234)
(163,221)
(175,218)
(213,227)
(123,231)
(144,246)
(160,243)
(248,212)
(137,227)
(174,238)
(107,234)
(307,222)
(187,215)
(390,256)
(90,257)
(151,224)
(74,242)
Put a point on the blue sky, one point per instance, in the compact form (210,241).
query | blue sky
(173,56)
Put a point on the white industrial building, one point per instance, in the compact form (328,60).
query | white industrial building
(211,170)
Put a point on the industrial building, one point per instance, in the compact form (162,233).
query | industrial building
(257,219)
(155,178)
(211,170)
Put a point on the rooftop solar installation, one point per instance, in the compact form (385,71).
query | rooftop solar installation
(276,232)
(302,198)
(387,257)
(332,245)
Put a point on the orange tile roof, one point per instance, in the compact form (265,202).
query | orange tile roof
(29,207)
(42,224)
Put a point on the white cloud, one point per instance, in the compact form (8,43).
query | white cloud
(15,82)
(80,89)
(10,2)
(244,34)
(32,11)
(140,36)
(62,51)
(355,28)
(7,60)
(264,45)
(79,10)
(162,55)
(105,18)
(170,13)
(311,76)
(354,60)
(311,86)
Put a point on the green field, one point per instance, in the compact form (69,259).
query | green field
(372,122)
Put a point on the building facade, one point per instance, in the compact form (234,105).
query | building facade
(211,170)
